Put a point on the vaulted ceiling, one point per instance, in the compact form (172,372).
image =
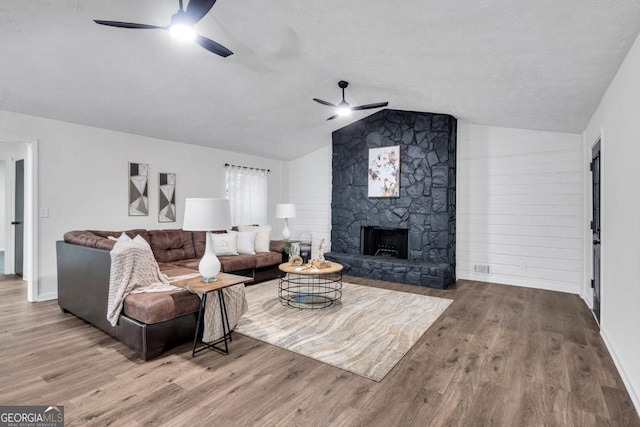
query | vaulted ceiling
(526,64)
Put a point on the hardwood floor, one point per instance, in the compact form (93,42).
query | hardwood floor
(499,356)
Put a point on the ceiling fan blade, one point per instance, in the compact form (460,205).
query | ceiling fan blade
(197,9)
(325,102)
(332,117)
(128,25)
(212,46)
(368,106)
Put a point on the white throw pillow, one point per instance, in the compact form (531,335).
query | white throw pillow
(141,239)
(246,242)
(124,237)
(224,244)
(263,236)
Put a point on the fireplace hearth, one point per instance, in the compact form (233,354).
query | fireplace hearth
(386,242)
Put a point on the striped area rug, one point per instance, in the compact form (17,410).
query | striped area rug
(367,333)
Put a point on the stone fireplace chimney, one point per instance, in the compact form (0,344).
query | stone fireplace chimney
(425,207)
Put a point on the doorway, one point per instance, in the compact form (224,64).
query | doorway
(13,151)
(595,227)
(3,212)
(18,220)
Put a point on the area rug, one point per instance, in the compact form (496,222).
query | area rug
(367,333)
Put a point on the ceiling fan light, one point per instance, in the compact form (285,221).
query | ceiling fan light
(182,27)
(343,109)
(182,32)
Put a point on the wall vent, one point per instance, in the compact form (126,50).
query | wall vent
(481,269)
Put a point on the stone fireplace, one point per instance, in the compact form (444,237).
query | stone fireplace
(423,215)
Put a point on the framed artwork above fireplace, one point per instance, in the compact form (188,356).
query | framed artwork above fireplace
(384,171)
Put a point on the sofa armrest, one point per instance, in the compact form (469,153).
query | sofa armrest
(89,239)
(83,283)
(276,246)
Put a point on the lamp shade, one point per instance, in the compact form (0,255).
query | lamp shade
(286,210)
(207,215)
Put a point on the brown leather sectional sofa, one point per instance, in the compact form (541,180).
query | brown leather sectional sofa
(150,323)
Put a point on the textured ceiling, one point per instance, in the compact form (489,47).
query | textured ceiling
(540,64)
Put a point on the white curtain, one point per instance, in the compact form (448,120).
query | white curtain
(247,191)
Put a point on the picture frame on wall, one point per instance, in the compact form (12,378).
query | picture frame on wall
(167,197)
(384,172)
(138,189)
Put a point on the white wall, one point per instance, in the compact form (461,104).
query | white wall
(83,179)
(310,190)
(617,119)
(3,214)
(520,207)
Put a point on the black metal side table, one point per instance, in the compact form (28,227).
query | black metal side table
(197,286)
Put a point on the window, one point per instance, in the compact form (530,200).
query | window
(246,188)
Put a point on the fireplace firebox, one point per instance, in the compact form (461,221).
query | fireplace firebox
(385,242)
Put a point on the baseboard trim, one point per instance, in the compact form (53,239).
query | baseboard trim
(625,379)
(523,282)
(46,297)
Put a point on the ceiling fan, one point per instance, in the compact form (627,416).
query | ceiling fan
(343,108)
(182,23)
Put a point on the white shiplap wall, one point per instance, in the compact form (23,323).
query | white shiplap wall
(310,191)
(520,207)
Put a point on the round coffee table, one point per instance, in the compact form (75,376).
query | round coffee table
(310,288)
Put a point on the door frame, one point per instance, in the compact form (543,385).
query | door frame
(587,260)
(31,270)
(598,318)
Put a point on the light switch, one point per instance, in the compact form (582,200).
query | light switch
(44,212)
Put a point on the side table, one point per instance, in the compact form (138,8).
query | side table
(197,286)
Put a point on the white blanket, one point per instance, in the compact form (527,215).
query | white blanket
(236,303)
(133,269)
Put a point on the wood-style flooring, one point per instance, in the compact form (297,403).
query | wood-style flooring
(499,356)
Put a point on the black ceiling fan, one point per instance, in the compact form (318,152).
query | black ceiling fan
(182,23)
(343,108)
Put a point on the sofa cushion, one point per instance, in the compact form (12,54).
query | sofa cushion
(267,259)
(171,245)
(174,270)
(100,239)
(156,307)
(276,246)
(122,238)
(131,233)
(232,263)
(199,242)
(190,263)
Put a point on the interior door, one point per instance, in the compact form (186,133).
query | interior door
(18,222)
(595,227)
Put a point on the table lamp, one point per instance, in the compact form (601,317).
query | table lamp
(207,215)
(286,211)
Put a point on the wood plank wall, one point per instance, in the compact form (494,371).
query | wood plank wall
(520,207)
(310,191)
